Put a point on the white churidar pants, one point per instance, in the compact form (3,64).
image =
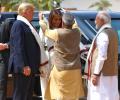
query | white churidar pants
(107,89)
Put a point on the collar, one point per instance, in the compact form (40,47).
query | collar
(23,19)
(104,26)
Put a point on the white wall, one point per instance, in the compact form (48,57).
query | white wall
(84,4)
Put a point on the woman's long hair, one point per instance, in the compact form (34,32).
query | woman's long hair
(51,16)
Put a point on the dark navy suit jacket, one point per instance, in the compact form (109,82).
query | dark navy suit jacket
(4,38)
(24,50)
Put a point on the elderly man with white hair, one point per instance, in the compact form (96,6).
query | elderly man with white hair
(102,61)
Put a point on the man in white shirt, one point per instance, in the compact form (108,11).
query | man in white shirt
(102,61)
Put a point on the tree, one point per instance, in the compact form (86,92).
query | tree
(44,4)
(101,5)
(11,5)
(49,4)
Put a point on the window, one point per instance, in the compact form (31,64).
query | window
(88,32)
(35,23)
(116,26)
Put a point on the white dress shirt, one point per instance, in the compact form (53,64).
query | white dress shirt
(102,43)
(106,83)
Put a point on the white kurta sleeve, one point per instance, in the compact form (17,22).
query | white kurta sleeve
(102,42)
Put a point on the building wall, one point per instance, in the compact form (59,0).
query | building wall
(84,4)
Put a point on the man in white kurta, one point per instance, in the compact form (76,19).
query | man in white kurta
(100,86)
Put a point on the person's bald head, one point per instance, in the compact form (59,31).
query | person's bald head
(68,19)
(102,18)
(105,16)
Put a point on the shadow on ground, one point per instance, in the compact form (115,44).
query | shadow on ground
(34,98)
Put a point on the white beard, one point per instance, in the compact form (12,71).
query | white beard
(97,27)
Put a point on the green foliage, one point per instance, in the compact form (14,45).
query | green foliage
(11,5)
(34,2)
(47,4)
(101,5)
